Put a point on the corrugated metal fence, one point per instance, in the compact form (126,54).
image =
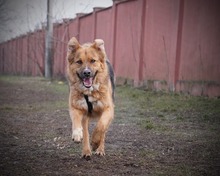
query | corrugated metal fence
(161,44)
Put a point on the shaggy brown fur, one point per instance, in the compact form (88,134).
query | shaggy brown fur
(91,93)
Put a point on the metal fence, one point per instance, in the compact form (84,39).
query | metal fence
(160,44)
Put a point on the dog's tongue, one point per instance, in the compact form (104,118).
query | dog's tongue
(87,82)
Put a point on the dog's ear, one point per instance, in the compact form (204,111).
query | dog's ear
(99,45)
(72,46)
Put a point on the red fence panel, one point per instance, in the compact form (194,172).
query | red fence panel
(31,54)
(60,43)
(73,30)
(9,66)
(57,38)
(200,40)
(127,47)
(103,27)
(2,58)
(19,55)
(200,45)
(40,48)
(25,55)
(161,23)
(86,28)
(161,44)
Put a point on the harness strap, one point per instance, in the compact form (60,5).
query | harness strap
(89,104)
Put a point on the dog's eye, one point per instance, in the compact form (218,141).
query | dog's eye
(79,62)
(93,60)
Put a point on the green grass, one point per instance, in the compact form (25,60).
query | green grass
(147,124)
(156,109)
(37,86)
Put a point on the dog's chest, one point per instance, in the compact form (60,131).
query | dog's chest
(91,104)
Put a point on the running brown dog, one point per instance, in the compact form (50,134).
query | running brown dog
(91,82)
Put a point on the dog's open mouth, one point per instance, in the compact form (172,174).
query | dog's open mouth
(87,82)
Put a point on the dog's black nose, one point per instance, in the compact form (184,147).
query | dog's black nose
(87,73)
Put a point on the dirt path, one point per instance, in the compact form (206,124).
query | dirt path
(152,133)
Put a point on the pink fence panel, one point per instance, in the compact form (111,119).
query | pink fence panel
(161,44)
(200,47)
(5,57)
(73,30)
(57,43)
(127,44)
(19,55)
(66,37)
(31,54)
(13,56)
(61,37)
(2,58)
(160,36)
(86,28)
(39,51)
(9,58)
(25,55)
(103,29)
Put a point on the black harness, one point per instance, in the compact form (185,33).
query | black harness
(89,104)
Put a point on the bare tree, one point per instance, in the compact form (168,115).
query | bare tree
(5,19)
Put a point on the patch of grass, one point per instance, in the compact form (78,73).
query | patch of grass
(165,104)
(179,169)
(47,106)
(6,107)
(52,95)
(74,150)
(20,79)
(148,125)
(148,153)
(36,107)
(59,87)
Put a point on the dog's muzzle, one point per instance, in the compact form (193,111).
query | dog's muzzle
(87,77)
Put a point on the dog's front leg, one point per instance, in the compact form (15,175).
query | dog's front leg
(76,117)
(98,136)
(86,152)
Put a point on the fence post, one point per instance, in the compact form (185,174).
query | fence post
(142,36)
(94,23)
(178,43)
(78,26)
(49,42)
(114,26)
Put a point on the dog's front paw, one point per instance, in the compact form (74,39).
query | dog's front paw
(87,154)
(100,151)
(77,135)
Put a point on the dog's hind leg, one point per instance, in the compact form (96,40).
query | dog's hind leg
(86,153)
(98,136)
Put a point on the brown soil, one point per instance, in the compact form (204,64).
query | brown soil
(152,133)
